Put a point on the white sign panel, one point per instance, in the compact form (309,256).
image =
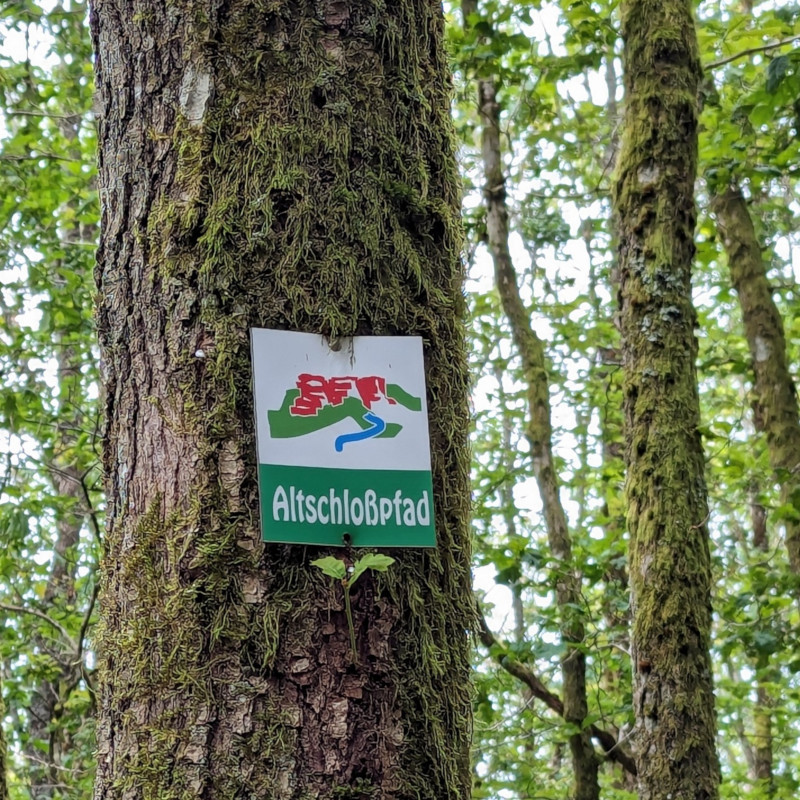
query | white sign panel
(343,447)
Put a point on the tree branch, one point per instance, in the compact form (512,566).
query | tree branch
(41,615)
(87,617)
(751,51)
(38,157)
(91,512)
(19,112)
(512,666)
(518,669)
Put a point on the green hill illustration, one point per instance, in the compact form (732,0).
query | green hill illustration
(284,425)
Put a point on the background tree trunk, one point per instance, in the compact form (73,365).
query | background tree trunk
(670,567)
(48,741)
(766,673)
(538,431)
(775,406)
(282,165)
(3,767)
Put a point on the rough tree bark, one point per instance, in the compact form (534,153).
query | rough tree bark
(670,566)
(282,165)
(775,406)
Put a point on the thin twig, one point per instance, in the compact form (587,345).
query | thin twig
(41,615)
(90,509)
(607,740)
(751,51)
(18,112)
(87,617)
(38,157)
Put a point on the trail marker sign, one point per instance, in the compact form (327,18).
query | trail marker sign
(343,447)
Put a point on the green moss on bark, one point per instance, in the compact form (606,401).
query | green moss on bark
(283,165)
(665,488)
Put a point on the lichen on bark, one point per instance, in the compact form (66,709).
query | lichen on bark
(283,165)
(670,566)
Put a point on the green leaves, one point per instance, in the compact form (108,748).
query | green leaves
(777,70)
(373,561)
(330,565)
(50,504)
(336,568)
(559,76)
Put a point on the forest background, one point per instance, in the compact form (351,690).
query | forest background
(556,73)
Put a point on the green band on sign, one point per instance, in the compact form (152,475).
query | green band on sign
(376,508)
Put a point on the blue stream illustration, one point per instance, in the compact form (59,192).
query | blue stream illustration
(378,427)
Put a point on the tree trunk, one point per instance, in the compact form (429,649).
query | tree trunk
(279,165)
(670,567)
(538,431)
(762,733)
(776,412)
(766,673)
(50,694)
(3,768)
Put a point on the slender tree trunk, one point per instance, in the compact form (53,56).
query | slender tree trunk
(670,566)
(281,165)
(507,463)
(737,724)
(612,111)
(506,492)
(765,672)
(538,431)
(50,694)
(776,411)
(3,766)
(762,729)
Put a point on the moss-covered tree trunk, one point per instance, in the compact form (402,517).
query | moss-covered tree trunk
(287,165)
(667,511)
(776,411)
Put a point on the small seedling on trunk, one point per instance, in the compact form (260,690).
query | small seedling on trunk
(337,569)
